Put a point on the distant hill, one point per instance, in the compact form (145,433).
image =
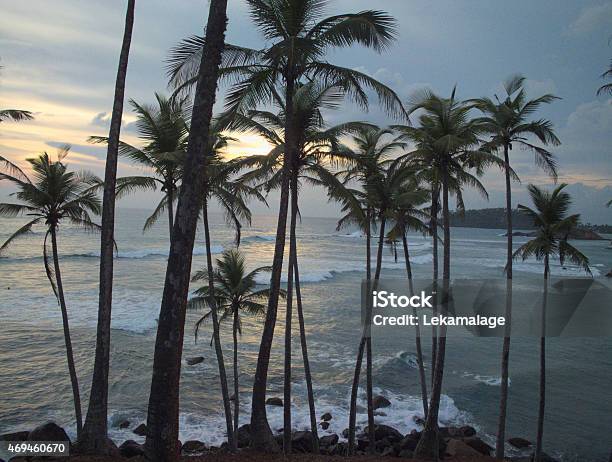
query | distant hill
(496,219)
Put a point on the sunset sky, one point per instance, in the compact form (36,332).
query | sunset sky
(59,61)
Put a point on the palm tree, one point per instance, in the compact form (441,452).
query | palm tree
(236,292)
(447,148)
(95,431)
(607,88)
(553,226)
(52,196)
(163,413)
(15,115)
(408,216)
(299,37)
(319,149)
(369,159)
(508,123)
(165,130)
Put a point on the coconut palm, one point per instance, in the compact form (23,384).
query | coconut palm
(407,215)
(553,226)
(164,130)
(508,123)
(447,150)
(299,36)
(236,292)
(163,412)
(95,431)
(377,175)
(318,151)
(14,115)
(53,195)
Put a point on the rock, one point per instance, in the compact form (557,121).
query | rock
(274,402)
(345,433)
(410,441)
(194,447)
(328,440)
(387,452)
(243,436)
(195,360)
(326,417)
(420,421)
(476,443)
(457,448)
(131,448)
(406,454)
(324,425)
(140,430)
(302,441)
(519,443)
(124,424)
(386,432)
(609,274)
(458,432)
(16,436)
(48,432)
(380,402)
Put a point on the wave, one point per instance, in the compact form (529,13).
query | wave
(122,254)
(259,238)
(490,380)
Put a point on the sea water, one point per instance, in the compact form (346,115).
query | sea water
(34,383)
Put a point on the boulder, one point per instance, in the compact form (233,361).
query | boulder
(410,441)
(609,274)
(15,436)
(519,443)
(326,417)
(386,432)
(328,440)
(140,430)
(302,441)
(274,402)
(193,447)
(476,443)
(124,424)
(48,432)
(131,448)
(243,436)
(195,360)
(458,432)
(345,433)
(457,448)
(324,425)
(420,421)
(380,401)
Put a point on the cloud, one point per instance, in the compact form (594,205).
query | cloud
(101,119)
(592,18)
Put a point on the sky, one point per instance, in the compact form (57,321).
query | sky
(59,60)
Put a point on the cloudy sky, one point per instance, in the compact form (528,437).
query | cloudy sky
(59,60)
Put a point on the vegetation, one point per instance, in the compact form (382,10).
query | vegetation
(53,196)
(551,220)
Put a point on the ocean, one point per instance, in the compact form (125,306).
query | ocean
(34,384)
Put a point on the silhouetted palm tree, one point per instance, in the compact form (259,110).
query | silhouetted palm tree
(163,411)
(236,292)
(607,88)
(165,130)
(53,195)
(14,115)
(299,37)
(95,431)
(553,227)
(508,122)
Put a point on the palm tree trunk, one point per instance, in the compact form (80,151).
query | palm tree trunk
(360,349)
(236,385)
(307,374)
(170,195)
(503,399)
(69,355)
(541,406)
(434,234)
(419,350)
(428,446)
(261,435)
(94,438)
(163,412)
(217,338)
(288,318)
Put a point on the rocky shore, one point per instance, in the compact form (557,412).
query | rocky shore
(456,444)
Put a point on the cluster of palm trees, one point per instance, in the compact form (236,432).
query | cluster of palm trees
(388,181)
